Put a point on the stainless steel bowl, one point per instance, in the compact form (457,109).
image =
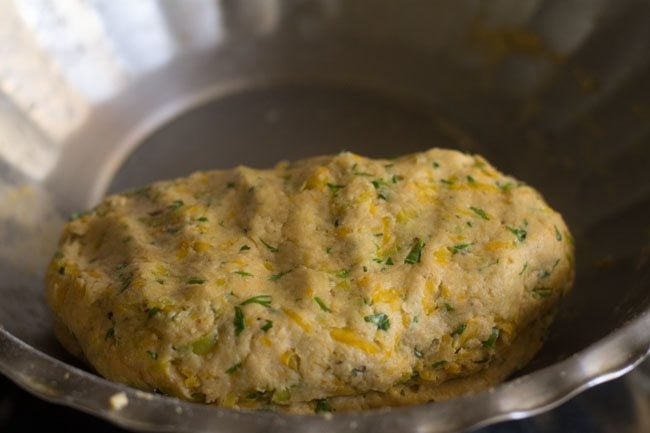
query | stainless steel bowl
(97,96)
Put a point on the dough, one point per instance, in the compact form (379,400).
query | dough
(331,283)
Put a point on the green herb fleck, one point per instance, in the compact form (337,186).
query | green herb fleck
(328,250)
(271,248)
(542,292)
(459,248)
(268,325)
(243,273)
(417,353)
(202,219)
(276,277)
(491,341)
(380,319)
(365,269)
(524,268)
(435,164)
(438,364)
(232,369)
(480,212)
(195,281)
(263,300)
(152,312)
(121,266)
(322,305)
(343,273)
(459,329)
(230,185)
(334,187)
(322,405)
(505,187)
(448,307)
(152,354)
(471,180)
(518,232)
(176,204)
(126,281)
(558,235)
(415,254)
(389,261)
(448,182)
(244,248)
(396,178)
(238,321)
(543,274)
(356,172)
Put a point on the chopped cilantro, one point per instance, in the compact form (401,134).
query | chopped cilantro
(480,212)
(389,261)
(459,248)
(263,300)
(494,336)
(448,182)
(152,354)
(244,248)
(202,219)
(322,305)
(435,164)
(343,273)
(268,325)
(152,312)
(195,281)
(276,277)
(328,250)
(238,321)
(448,307)
(415,254)
(176,204)
(505,187)
(322,405)
(126,281)
(459,329)
(471,180)
(232,369)
(518,232)
(243,273)
(356,172)
(558,235)
(271,248)
(396,178)
(380,319)
(523,269)
(334,187)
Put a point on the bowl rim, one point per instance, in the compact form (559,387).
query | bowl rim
(58,382)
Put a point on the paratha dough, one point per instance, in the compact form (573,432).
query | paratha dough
(331,283)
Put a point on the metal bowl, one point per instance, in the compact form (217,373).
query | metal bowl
(99,96)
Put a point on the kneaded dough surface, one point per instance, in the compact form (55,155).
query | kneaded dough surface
(331,283)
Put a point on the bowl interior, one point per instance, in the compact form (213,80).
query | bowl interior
(562,106)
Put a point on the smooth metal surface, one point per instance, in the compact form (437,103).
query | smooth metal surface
(104,95)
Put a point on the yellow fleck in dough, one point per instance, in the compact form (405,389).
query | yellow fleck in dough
(364,282)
